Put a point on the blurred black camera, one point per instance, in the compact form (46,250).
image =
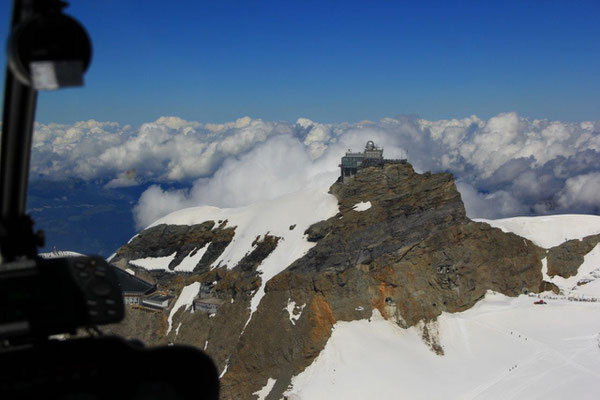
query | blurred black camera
(43,297)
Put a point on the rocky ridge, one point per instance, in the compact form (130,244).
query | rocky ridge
(164,240)
(412,255)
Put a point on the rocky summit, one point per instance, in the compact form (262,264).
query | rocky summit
(400,244)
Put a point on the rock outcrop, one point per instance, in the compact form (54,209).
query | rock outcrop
(412,255)
(183,240)
(564,260)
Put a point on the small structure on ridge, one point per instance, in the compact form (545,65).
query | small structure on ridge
(371,156)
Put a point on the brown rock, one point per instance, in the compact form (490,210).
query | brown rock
(564,260)
(411,256)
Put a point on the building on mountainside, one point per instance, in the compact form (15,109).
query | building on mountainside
(371,156)
(134,289)
(206,300)
(158,301)
(391,309)
(206,289)
(208,305)
(138,292)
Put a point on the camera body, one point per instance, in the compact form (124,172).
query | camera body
(43,297)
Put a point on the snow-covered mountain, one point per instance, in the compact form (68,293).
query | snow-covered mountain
(502,348)
(382,288)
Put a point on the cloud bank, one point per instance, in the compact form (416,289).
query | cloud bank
(505,166)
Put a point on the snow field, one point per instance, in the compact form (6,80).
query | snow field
(503,348)
(189,263)
(151,263)
(362,206)
(262,393)
(294,311)
(185,299)
(549,230)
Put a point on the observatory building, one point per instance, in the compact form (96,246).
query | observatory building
(352,162)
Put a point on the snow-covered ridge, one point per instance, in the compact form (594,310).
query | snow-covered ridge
(59,253)
(274,217)
(286,217)
(549,230)
(502,348)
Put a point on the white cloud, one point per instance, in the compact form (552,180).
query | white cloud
(176,123)
(169,149)
(582,191)
(278,166)
(155,203)
(125,179)
(508,164)
(316,136)
(239,123)
(499,204)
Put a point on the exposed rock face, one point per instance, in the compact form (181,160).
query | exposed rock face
(412,255)
(564,260)
(217,334)
(549,286)
(164,240)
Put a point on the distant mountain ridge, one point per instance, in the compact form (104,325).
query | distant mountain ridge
(288,271)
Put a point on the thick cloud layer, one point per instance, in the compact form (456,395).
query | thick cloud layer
(167,150)
(505,166)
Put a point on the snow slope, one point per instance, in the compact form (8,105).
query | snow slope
(550,230)
(189,263)
(151,263)
(286,217)
(185,299)
(503,348)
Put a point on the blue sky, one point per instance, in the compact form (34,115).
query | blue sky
(333,61)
